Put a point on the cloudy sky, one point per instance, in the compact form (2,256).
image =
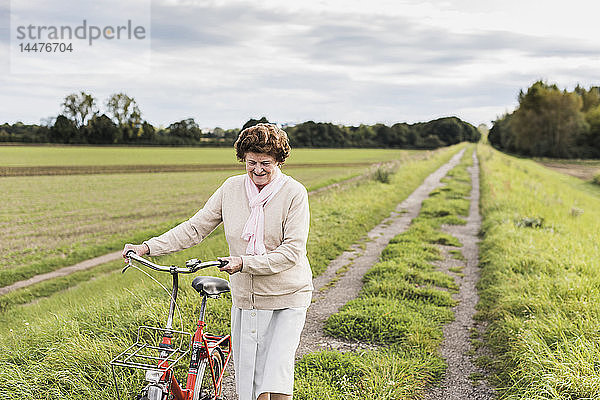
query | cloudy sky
(344,61)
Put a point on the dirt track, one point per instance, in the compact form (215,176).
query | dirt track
(61,272)
(456,346)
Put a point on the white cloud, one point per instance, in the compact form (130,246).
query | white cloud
(345,61)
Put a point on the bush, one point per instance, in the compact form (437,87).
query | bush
(382,175)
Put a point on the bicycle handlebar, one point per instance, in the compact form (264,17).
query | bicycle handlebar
(191,266)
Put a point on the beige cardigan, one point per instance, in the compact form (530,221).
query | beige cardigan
(280,279)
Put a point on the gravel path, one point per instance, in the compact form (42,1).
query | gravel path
(358,259)
(457,384)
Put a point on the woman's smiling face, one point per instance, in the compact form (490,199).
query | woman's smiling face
(261,168)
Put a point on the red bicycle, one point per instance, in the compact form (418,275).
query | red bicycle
(158,350)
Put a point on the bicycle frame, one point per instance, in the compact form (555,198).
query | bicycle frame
(202,347)
(160,376)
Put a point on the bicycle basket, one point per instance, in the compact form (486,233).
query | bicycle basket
(145,353)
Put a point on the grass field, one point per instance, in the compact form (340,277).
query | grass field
(30,156)
(540,284)
(402,307)
(50,222)
(71,335)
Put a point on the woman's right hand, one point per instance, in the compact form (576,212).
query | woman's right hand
(139,249)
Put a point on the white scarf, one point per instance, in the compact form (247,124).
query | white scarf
(254,230)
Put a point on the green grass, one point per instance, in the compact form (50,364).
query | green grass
(29,156)
(71,335)
(457,254)
(384,374)
(402,307)
(456,270)
(539,283)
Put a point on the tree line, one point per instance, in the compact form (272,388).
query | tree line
(550,122)
(82,122)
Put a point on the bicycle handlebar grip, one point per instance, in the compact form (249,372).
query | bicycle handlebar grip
(128,254)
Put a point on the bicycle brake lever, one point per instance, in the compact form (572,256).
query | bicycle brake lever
(223,263)
(125,268)
(192,263)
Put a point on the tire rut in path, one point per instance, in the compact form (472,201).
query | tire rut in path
(329,301)
(457,384)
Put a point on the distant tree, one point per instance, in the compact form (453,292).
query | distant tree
(252,122)
(101,130)
(452,130)
(432,142)
(301,135)
(365,134)
(4,134)
(126,114)
(63,131)
(401,135)
(501,135)
(324,134)
(218,132)
(548,121)
(385,135)
(20,132)
(148,133)
(79,108)
(590,98)
(231,134)
(186,129)
(590,141)
(447,130)
(123,109)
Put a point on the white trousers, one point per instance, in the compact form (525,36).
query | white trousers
(264,348)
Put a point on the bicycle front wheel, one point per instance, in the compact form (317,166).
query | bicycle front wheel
(204,389)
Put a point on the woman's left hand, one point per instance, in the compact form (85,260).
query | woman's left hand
(234,264)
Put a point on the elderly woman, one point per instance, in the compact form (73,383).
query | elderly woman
(266,219)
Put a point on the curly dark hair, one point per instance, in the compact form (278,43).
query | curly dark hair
(263,138)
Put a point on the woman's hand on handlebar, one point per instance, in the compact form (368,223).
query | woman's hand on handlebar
(139,249)
(234,264)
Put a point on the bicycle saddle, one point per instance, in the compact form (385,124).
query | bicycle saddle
(210,285)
